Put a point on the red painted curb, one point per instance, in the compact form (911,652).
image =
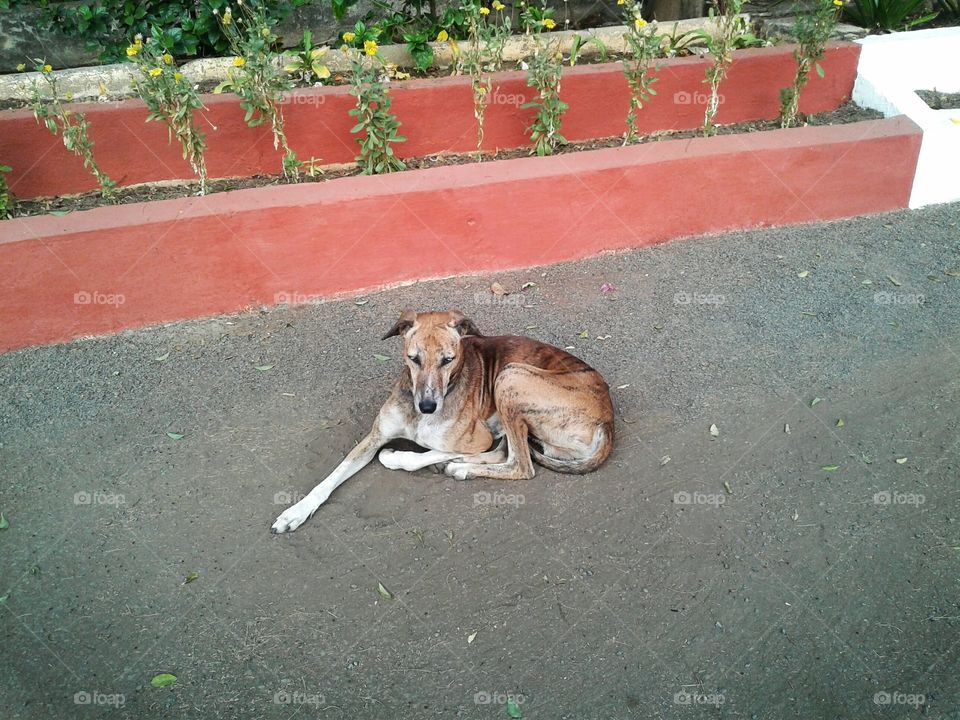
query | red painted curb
(193,257)
(437,116)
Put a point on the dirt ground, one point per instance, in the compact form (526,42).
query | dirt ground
(799,561)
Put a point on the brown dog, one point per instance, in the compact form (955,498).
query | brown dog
(460,392)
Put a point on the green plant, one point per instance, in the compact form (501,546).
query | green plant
(812,30)
(360,35)
(486,37)
(534,19)
(418,43)
(257,78)
(6,197)
(950,8)
(578,43)
(887,15)
(170,100)
(307,63)
(376,125)
(187,27)
(678,44)
(721,44)
(643,45)
(544,72)
(72,126)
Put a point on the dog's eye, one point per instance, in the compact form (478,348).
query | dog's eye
(415,359)
(446,360)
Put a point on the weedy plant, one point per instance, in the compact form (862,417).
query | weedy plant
(578,43)
(721,45)
(6,197)
(812,30)
(307,63)
(544,72)
(486,36)
(72,126)
(257,77)
(376,125)
(639,68)
(171,100)
(889,15)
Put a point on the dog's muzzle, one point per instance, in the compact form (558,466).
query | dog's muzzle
(427,406)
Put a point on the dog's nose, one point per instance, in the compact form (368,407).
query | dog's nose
(427,406)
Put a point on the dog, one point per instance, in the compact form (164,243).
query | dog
(482,406)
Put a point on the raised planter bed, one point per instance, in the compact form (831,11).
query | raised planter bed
(111,268)
(436,114)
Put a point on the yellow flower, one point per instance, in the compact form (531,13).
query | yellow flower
(239,62)
(47,69)
(167,58)
(442,36)
(21,67)
(265,33)
(498,6)
(178,76)
(548,23)
(349,37)
(621,2)
(639,23)
(133,49)
(227,17)
(370,47)
(838,3)
(484,11)
(155,72)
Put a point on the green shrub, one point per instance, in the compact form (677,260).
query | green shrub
(887,15)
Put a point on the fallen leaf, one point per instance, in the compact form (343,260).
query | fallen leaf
(384,593)
(513,710)
(952,273)
(795,516)
(603,337)
(866,282)
(714,430)
(584,334)
(786,428)
(527,286)
(471,637)
(955,120)
(608,288)
(360,301)
(263,368)
(867,460)
(530,327)
(190,578)
(163,357)
(623,387)
(498,289)
(4,523)
(809,314)
(664,460)
(174,436)
(381,358)
(658,327)
(803,273)
(163,680)
(892,279)
(4,598)
(830,468)
(727,488)
(814,401)
(901,461)
(840,422)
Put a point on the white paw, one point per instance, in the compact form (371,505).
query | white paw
(390,460)
(459,471)
(291,518)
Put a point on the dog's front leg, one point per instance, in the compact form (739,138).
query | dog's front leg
(384,430)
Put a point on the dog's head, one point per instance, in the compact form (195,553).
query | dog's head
(431,350)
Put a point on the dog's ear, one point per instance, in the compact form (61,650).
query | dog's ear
(463,325)
(406,321)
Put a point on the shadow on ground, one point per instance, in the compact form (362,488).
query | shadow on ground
(801,563)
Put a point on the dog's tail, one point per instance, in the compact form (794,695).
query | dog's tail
(599,451)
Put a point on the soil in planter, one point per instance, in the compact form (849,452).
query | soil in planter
(940,100)
(843,115)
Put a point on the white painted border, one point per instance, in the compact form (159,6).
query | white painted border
(891,68)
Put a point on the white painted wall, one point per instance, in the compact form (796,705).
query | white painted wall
(891,68)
